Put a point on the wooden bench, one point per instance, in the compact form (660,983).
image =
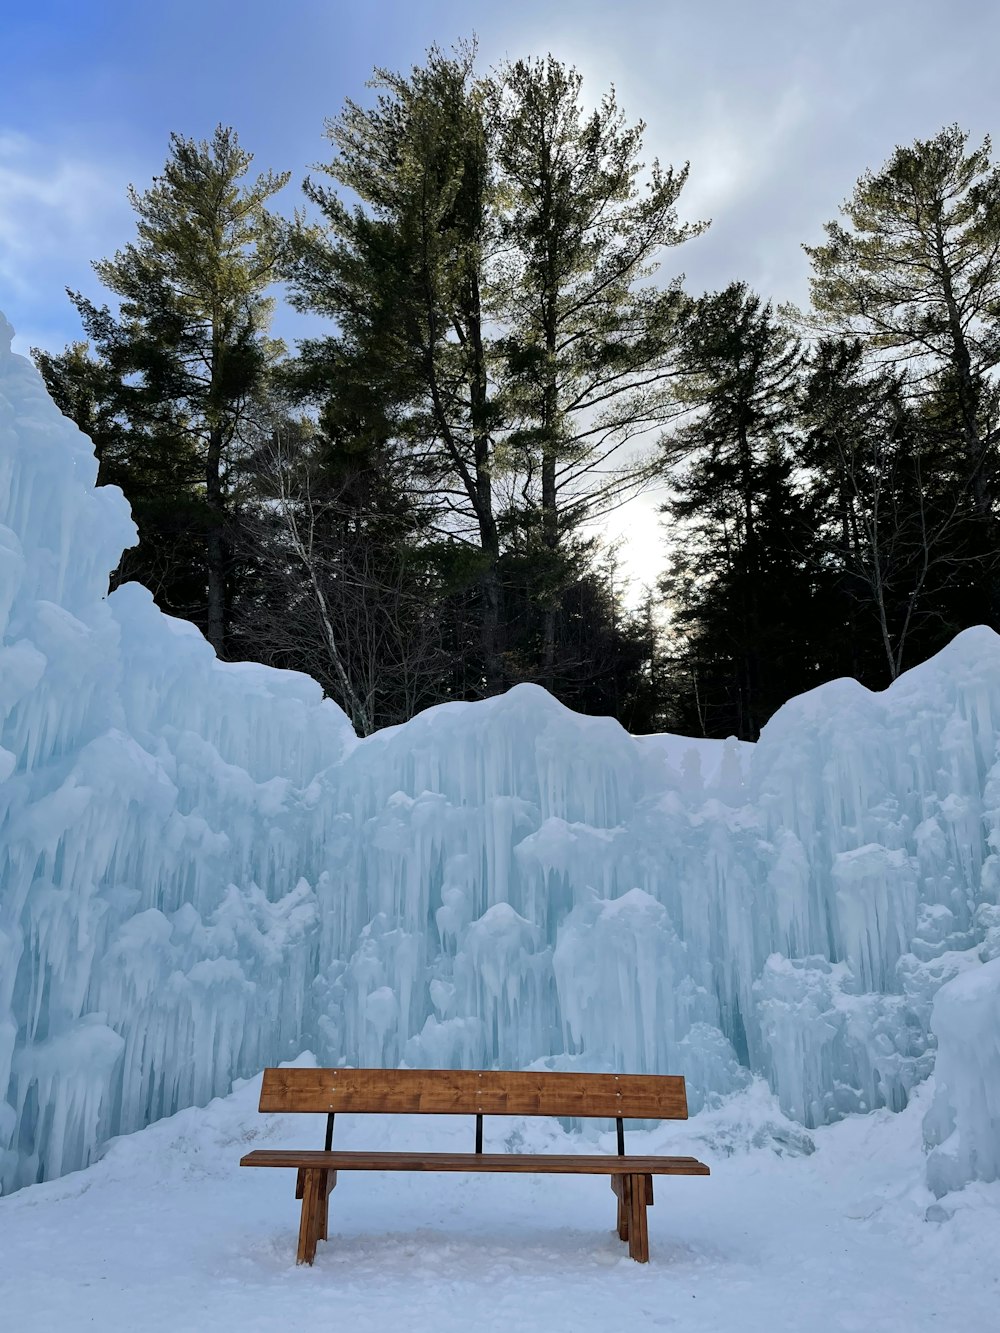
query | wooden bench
(470,1092)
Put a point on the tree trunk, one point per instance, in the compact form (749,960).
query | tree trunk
(489,583)
(969,399)
(550,540)
(216,546)
(965,380)
(751,622)
(490,631)
(550,497)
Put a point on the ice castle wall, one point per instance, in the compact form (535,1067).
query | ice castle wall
(158,826)
(202,869)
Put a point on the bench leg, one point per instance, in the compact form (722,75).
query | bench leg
(313,1204)
(638,1235)
(618,1186)
(328,1181)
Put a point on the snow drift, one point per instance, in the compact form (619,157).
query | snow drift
(202,870)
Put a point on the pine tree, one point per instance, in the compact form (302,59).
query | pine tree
(139,450)
(174,374)
(917,276)
(401,273)
(743,581)
(498,323)
(895,517)
(587,345)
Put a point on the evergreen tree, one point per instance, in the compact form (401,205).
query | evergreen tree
(739,525)
(496,320)
(401,273)
(917,276)
(895,516)
(158,468)
(587,347)
(745,635)
(174,375)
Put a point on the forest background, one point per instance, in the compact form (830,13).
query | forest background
(409,504)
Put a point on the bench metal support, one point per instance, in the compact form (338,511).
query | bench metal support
(327,1146)
(621,1136)
(479,1133)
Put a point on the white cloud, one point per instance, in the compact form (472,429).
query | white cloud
(737,150)
(52,204)
(58,211)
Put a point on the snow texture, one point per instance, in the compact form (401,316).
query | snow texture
(202,870)
(831,1230)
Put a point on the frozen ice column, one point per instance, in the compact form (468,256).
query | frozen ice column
(962,1127)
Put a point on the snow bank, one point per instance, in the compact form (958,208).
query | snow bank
(202,870)
(796,1229)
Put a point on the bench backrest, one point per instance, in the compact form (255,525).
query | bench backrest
(475,1092)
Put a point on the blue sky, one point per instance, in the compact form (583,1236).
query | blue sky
(778,104)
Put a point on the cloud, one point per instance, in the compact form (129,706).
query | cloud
(737,150)
(59,210)
(53,205)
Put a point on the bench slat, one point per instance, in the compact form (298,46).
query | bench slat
(569,1164)
(474,1092)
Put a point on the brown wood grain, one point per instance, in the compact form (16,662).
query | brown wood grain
(309,1221)
(638,1232)
(618,1185)
(323,1207)
(475,1092)
(569,1164)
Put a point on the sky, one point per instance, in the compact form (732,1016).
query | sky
(778,105)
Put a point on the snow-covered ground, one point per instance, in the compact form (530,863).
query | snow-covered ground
(167,1232)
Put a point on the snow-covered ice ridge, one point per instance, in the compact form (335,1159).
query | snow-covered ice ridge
(202,870)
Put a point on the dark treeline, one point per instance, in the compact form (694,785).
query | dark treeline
(406,506)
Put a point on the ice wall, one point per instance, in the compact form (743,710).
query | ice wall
(202,870)
(158,826)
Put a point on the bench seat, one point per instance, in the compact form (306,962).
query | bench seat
(567,1164)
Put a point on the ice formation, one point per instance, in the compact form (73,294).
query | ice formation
(202,870)
(962,1127)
